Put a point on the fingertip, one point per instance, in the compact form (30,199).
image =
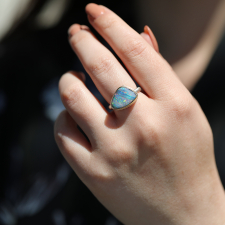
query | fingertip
(90,6)
(74,29)
(152,38)
(94,11)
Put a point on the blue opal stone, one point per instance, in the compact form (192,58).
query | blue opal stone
(123,97)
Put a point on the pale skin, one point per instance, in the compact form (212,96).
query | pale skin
(152,163)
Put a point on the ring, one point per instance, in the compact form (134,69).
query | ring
(124,97)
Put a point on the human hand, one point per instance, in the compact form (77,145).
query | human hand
(152,163)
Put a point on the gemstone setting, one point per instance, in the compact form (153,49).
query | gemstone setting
(123,98)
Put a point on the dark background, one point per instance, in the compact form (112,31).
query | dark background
(37,186)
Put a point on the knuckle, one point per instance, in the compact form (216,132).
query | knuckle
(182,106)
(59,130)
(101,65)
(134,48)
(71,94)
(107,23)
(148,129)
(119,154)
(150,134)
(101,173)
(122,156)
(102,176)
(57,135)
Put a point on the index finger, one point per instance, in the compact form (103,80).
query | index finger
(147,67)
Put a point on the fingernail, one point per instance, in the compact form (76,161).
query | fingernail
(94,10)
(148,31)
(84,27)
(74,29)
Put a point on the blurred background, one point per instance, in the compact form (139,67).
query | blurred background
(36,184)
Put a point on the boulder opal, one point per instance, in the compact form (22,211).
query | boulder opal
(123,97)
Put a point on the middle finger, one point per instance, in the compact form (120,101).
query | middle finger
(147,67)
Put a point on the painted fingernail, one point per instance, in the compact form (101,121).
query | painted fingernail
(84,27)
(74,29)
(94,10)
(148,31)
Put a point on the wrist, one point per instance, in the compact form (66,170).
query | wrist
(205,203)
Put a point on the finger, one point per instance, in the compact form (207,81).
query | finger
(148,68)
(150,38)
(72,143)
(104,69)
(83,107)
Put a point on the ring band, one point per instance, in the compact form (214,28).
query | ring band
(124,97)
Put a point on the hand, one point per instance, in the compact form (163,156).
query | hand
(152,163)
